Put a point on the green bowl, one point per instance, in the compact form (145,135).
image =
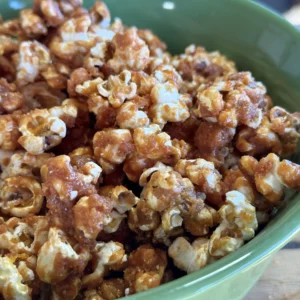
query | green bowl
(260,41)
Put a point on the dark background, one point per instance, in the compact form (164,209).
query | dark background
(280,5)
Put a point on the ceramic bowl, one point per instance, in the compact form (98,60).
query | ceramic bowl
(260,41)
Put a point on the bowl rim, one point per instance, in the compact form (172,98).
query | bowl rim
(255,251)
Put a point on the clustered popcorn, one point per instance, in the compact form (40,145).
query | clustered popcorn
(123,166)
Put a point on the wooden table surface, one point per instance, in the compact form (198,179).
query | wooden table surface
(281,280)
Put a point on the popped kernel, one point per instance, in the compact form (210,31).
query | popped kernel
(131,52)
(118,88)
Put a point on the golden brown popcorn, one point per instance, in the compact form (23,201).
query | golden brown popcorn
(73,39)
(57,259)
(7,68)
(25,164)
(156,46)
(40,131)
(33,58)
(166,188)
(69,288)
(131,52)
(54,11)
(78,77)
(91,214)
(190,257)
(153,144)
(9,132)
(203,174)
(62,184)
(183,130)
(146,267)
(8,45)
(20,196)
(105,113)
(201,221)
(198,66)
(238,225)
(143,81)
(100,14)
(111,147)
(10,99)
(114,288)
(143,218)
(135,164)
(167,104)
(32,24)
(62,180)
(130,117)
(106,257)
(15,236)
(11,282)
(53,78)
(41,95)
(118,88)
(271,176)
(92,294)
(213,141)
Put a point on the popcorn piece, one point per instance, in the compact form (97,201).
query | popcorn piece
(238,225)
(197,66)
(40,131)
(108,256)
(34,57)
(11,281)
(130,117)
(112,288)
(168,105)
(203,174)
(156,46)
(77,78)
(90,214)
(105,113)
(190,257)
(131,52)
(68,288)
(8,45)
(10,99)
(32,24)
(144,82)
(9,133)
(271,176)
(143,218)
(73,39)
(111,147)
(24,164)
(134,166)
(41,95)
(57,259)
(166,188)
(153,144)
(100,14)
(15,236)
(146,266)
(20,196)
(118,88)
(201,221)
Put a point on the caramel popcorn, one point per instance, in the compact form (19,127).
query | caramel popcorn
(20,196)
(33,58)
(109,256)
(11,281)
(111,147)
(131,52)
(118,88)
(32,24)
(146,267)
(122,166)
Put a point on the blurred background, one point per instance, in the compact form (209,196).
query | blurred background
(280,5)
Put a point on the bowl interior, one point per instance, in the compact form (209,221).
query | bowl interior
(259,41)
